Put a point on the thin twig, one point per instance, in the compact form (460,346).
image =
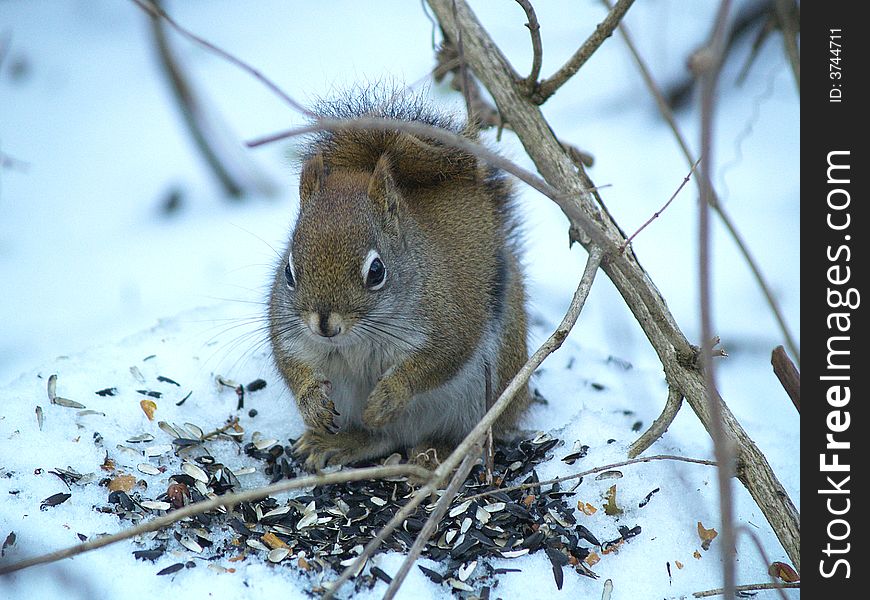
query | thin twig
(788,375)
(531,81)
(191,108)
(660,425)
(748,588)
(787,15)
(658,213)
(432,522)
(565,201)
(603,31)
(668,116)
(631,461)
(155,11)
(707,64)
(471,440)
(744,530)
(647,305)
(227,500)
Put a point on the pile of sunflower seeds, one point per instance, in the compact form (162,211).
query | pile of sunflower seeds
(324,530)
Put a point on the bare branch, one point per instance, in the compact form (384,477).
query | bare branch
(432,522)
(748,588)
(471,440)
(676,354)
(707,64)
(156,12)
(603,31)
(227,501)
(191,109)
(788,375)
(658,213)
(531,81)
(616,465)
(787,13)
(668,116)
(660,425)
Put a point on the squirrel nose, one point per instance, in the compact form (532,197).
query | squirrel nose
(325,324)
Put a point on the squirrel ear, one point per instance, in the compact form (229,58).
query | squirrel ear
(382,189)
(313,172)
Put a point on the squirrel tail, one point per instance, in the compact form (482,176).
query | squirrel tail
(417,160)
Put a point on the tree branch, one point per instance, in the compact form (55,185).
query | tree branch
(788,375)
(640,294)
(537,48)
(228,501)
(475,435)
(668,116)
(660,425)
(603,31)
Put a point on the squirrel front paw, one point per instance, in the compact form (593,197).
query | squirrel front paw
(317,410)
(386,402)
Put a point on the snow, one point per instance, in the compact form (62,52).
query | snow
(96,278)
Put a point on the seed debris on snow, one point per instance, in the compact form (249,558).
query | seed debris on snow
(323,530)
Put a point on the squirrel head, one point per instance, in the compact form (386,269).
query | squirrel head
(346,271)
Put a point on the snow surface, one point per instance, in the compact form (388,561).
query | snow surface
(88,259)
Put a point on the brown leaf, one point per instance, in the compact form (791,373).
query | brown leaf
(591,559)
(122,483)
(610,508)
(148,407)
(706,535)
(784,571)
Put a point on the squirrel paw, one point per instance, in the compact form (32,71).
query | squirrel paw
(386,402)
(321,449)
(317,410)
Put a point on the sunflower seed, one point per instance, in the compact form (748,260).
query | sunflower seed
(155,505)
(195,472)
(142,437)
(190,545)
(159,450)
(458,510)
(148,469)
(67,403)
(465,570)
(278,554)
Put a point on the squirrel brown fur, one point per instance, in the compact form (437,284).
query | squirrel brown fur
(399,290)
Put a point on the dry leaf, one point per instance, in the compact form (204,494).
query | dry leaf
(610,508)
(697,554)
(783,571)
(148,407)
(122,483)
(586,508)
(304,564)
(528,500)
(591,559)
(679,564)
(273,541)
(707,535)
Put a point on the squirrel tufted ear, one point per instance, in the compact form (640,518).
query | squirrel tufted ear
(313,173)
(382,189)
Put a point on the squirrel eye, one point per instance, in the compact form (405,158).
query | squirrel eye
(288,275)
(374,272)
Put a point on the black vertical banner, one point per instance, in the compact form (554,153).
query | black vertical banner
(835,431)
